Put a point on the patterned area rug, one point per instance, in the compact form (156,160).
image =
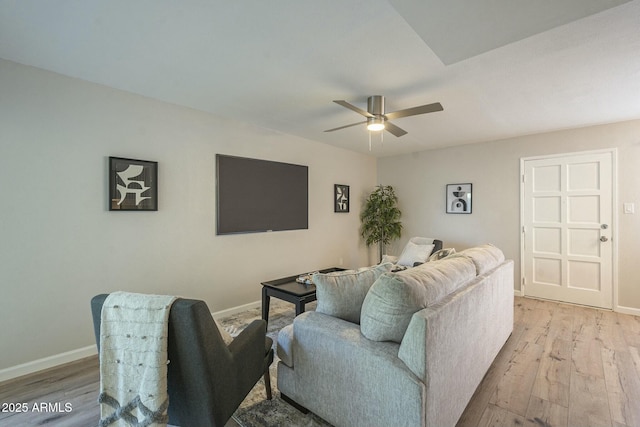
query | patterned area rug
(256,410)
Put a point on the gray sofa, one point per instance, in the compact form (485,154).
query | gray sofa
(426,338)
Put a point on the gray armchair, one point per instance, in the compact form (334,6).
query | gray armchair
(207,380)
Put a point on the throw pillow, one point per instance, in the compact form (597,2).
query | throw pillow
(442,253)
(341,294)
(413,253)
(395,297)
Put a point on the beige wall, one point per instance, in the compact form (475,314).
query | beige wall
(60,245)
(494,169)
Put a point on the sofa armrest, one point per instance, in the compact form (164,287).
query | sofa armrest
(285,345)
(413,349)
(451,345)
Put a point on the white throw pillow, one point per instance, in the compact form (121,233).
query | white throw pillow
(413,253)
(441,254)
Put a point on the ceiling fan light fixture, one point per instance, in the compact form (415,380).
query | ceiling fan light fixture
(375,123)
(377,120)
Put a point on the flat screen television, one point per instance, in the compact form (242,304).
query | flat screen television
(255,195)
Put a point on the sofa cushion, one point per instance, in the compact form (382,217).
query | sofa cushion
(484,257)
(341,294)
(414,253)
(395,297)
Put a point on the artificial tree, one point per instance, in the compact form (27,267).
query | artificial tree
(381,217)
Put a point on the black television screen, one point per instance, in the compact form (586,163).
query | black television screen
(260,195)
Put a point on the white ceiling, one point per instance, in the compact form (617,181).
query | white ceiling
(500,68)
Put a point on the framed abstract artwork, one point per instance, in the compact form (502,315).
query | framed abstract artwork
(133,185)
(459,198)
(340,198)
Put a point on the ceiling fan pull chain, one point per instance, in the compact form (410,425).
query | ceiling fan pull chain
(369,140)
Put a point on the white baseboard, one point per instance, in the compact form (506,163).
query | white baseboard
(73,355)
(618,309)
(627,310)
(236,310)
(47,362)
(517,292)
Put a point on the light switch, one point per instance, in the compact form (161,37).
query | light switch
(629,208)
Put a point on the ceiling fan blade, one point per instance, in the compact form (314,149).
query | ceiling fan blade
(393,129)
(347,126)
(423,109)
(354,108)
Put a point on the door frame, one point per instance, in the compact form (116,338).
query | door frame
(614,214)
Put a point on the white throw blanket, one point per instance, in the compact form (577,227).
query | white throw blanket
(133,360)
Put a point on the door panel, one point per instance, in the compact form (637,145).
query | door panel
(566,217)
(547,271)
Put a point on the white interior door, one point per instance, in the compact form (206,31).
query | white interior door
(567,214)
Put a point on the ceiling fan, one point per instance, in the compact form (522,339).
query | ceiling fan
(378,120)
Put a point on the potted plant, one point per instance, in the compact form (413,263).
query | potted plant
(381,217)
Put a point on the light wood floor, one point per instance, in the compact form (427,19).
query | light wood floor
(563,365)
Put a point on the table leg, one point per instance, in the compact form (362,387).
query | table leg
(299,307)
(265,304)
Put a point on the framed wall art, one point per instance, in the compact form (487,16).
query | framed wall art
(340,198)
(459,198)
(133,185)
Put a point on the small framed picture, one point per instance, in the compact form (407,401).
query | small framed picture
(340,198)
(459,198)
(133,185)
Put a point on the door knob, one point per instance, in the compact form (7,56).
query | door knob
(603,239)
